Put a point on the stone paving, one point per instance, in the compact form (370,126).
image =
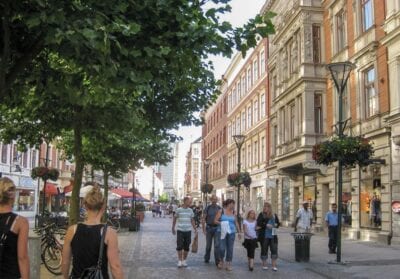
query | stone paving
(151,253)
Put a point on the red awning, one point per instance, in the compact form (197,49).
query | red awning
(68,188)
(122,193)
(51,189)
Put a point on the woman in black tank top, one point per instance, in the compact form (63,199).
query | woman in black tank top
(82,242)
(14,262)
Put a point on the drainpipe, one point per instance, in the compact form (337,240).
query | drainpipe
(390,236)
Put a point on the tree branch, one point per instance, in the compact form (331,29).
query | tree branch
(5,56)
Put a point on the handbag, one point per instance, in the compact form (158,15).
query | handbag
(94,272)
(195,244)
(3,236)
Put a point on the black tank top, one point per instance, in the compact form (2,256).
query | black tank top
(9,268)
(85,247)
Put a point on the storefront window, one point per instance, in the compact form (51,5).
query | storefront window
(310,193)
(285,199)
(25,200)
(370,198)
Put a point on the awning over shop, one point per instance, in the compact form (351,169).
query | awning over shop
(125,194)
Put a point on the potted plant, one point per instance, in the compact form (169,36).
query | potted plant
(45,173)
(239,178)
(207,188)
(349,150)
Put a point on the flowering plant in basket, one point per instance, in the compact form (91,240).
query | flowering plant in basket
(239,178)
(350,150)
(207,188)
(45,173)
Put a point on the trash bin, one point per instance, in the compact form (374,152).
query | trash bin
(302,246)
(134,225)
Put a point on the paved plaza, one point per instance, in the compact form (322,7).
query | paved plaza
(150,253)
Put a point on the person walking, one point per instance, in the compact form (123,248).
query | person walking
(229,225)
(250,237)
(331,219)
(210,229)
(184,222)
(304,219)
(14,260)
(82,241)
(270,222)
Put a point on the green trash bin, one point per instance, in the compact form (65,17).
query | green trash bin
(302,246)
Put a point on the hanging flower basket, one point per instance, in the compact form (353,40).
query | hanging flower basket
(45,173)
(207,188)
(350,150)
(239,178)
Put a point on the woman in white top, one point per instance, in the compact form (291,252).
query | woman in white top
(250,236)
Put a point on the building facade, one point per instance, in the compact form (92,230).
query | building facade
(193,171)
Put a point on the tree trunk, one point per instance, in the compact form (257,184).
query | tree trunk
(105,175)
(79,165)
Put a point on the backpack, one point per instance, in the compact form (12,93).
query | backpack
(94,272)
(3,237)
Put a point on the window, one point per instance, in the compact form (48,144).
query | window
(292,121)
(255,145)
(262,62)
(238,132)
(239,89)
(233,98)
(249,84)
(274,139)
(230,101)
(371,96)
(262,105)
(25,159)
(318,114)
(340,30)
(262,149)
(244,85)
(255,71)
(316,35)
(4,149)
(244,121)
(367,14)
(294,54)
(249,155)
(255,108)
(274,87)
(249,117)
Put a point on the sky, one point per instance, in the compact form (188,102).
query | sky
(242,11)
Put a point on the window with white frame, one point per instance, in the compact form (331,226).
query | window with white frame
(249,155)
(244,120)
(255,71)
(244,84)
(318,117)
(274,139)
(249,83)
(255,156)
(262,105)
(367,15)
(262,151)
(234,127)
(233,98)
(255,109)
(340,19)
(262,62)
(249,113)
(4,149)
(370,93)
(230,101)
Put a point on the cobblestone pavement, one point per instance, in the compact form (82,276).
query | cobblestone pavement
(151,253)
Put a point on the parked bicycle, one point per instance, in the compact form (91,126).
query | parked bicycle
(51,246)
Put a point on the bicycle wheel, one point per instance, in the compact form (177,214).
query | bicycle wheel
(51,257)
(114,224)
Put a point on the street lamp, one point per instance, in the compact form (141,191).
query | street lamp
(206,165)
(340,73)
(239,140)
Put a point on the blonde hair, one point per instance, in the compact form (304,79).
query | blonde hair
(7,190)
(248,214)
(269,214)
(94,199)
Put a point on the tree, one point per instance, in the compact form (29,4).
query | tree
(79,66)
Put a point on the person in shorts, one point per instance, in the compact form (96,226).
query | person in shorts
(184,222)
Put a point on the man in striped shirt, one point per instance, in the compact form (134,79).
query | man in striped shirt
(184,222)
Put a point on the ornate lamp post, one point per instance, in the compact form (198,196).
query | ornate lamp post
(340,73)
(206,166)
(239,140)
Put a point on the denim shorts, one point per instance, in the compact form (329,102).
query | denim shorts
(183,240)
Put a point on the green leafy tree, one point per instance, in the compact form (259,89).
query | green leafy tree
(163,198)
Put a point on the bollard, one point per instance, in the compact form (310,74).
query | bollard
(34,254)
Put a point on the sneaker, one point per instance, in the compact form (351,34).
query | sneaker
(265,267)
(274,269)
(179,263)
(184,264)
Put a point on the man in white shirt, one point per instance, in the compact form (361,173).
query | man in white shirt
(304,218)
